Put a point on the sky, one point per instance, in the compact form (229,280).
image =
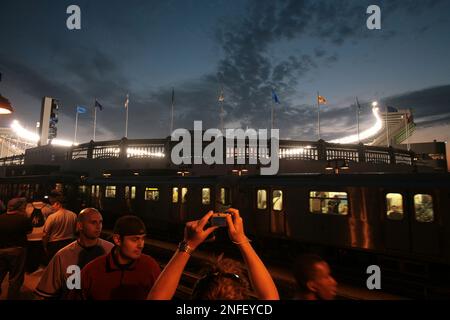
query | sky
(247,47)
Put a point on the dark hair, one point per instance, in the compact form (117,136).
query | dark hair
(129,225)
(223,280)
(304,270)
(56,196)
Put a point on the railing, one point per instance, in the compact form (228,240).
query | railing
(289,150)
(13,160)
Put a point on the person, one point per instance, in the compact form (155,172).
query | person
(314,279)
(38,211)
(220,283)
(395,213)
(14,227)
(333,205)
(123,274)
(88,246)
(59,227)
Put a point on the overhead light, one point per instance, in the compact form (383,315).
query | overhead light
(136,173)
(5,106)
(107,175)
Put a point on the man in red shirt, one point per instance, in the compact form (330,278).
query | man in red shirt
(125,273)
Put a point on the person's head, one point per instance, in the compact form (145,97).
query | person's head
(313,276)
(128,236)
(17,205)
(89,223)
(56,199)
(223,280)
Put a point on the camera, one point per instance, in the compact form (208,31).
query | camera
(219,220)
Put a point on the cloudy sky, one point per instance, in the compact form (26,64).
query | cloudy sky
(146,48)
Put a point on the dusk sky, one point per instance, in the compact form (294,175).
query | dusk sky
(297,47)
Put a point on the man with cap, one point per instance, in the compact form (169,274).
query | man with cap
(88,246)
(125,273)
(14,227)
(59,227)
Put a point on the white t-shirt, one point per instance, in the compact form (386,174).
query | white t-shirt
(60,225)
(53,283)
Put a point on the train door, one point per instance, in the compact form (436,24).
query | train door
(424,224)
(207,200)
(277,213)
(130,199)
(262,220)
(396,219)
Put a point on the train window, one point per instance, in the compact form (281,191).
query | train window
(206,196)
(174,195)
(277,200)
(130,192)
(223,196)
(394,206)
(82,189)
(95,191)
(328,202)
(261,199)
(110,192)
(423,207)
(152,194)
(184,192)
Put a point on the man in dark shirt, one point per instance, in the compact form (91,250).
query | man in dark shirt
(14,227)
(125,273)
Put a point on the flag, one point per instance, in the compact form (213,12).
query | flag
(97,104)
(275,97)
(221,96)
(81,109)
(126,102)
(321,100)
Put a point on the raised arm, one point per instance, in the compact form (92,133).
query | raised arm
(260,277)
(167,282)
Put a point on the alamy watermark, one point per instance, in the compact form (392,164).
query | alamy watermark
(213,153)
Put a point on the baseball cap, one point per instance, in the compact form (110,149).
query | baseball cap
(129,225)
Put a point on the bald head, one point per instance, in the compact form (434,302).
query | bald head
(89,223)
(85,213)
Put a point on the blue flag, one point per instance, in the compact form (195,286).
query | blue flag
(97,104)
(81,109)
(275,97)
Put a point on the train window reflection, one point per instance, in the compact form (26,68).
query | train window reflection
(206,196)
(184,192)
(110,192)
(151,194)
(261,199)
(277,200)
(394,206)
(423,207)
(175,195)
(328,202)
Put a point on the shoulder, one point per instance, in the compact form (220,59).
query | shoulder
(106,245)
(67,249)
(95,265)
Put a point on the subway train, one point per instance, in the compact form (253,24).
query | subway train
(393,214)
